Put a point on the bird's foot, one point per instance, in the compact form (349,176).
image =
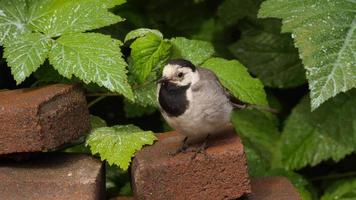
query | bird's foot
(201,149)
(182,148)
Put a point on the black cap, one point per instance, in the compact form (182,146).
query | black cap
(183,63)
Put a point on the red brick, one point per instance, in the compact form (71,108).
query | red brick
(220,174)
(273,188)
(43,118)
(53,177)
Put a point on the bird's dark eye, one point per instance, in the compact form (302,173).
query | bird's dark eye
(180,74)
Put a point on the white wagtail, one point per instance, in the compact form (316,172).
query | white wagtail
(193,101)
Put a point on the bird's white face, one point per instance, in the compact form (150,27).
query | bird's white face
(181,76)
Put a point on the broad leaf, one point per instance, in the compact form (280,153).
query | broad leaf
(260,131)
(257,164)
(96,122)
(25,54)
(341,190)
(57,17)
(234,76)
(118,144)
(270,55)
(148,52)
(142,32)
(195,51)
(92,57)
(324,33)
(12,19)
(327,133)
(145,95)
(231,11)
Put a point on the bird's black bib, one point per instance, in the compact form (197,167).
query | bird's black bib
(173,98)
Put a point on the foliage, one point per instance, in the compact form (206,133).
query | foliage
(118,143)
(244,87)
(324,35)
(79,41)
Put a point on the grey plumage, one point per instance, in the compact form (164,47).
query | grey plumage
(209,107)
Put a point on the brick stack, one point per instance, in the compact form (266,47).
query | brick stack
(44,119)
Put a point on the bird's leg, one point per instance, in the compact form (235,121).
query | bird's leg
(201,148)
(182,148)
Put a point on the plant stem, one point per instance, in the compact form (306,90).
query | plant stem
(96,101)
(333,176)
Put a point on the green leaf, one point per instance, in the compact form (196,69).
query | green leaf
(12,19)
(58,17)
(92,57)
(146,95)
(97,122)
(270,55)
(231,11)
(117,144)
(111,3)
(195,51)
(234,76)
(260,131)
(25,54)
(257,164)
(324,33)
(327,133)
(142,32)
(149,52)
(341,190)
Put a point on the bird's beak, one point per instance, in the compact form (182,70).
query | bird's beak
(163,80)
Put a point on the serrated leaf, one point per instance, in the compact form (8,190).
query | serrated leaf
(117,144)
(341,190)
(111,3)
(92,57)
(234,76)
(324,33)
(260,132)
(58,17)
(231,11)
(148,52)
(145,95)
(270,55)
(142,32)
(327,133)
(196,51)
(25,54)
(12,19)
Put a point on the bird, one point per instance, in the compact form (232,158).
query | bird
(193,101)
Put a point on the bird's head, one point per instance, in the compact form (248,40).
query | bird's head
(179,72)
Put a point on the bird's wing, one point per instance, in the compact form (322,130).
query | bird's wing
(208,77)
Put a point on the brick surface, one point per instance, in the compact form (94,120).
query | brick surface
(53,177)
(220,174)
(273,188)
(43,118)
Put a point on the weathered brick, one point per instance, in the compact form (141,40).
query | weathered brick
(273,188)
(219,174)
(53,177)
(43,118)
